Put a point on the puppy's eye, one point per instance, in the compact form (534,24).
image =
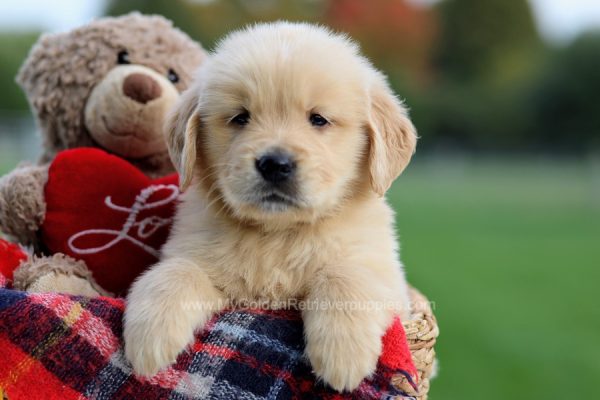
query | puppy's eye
(241,119)
(172,76)
(123,57)
(318,120)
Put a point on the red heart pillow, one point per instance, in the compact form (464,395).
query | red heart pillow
(103,210)
(11,256)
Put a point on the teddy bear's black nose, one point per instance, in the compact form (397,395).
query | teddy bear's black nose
(141,88)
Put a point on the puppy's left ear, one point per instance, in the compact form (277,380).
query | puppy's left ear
(392,136)
(182,128)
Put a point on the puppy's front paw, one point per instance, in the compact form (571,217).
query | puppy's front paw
(343,354)
(151,346)
(152,343)
(163,310)
(157,329)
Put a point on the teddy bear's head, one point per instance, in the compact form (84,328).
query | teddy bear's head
(109,84)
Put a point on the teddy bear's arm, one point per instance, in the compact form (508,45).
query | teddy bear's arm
(22,204)
(57,273)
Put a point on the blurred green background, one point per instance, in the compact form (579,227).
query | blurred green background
(499,214)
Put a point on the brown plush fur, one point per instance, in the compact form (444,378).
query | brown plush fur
(35,268)
(63,68)
(60,76)
(22,205)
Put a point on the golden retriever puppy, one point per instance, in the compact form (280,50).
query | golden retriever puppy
(285,146)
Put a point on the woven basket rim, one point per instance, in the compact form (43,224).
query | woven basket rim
(421,333)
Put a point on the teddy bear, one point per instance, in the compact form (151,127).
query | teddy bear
(106,85)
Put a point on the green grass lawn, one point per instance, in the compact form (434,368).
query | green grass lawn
(509,252)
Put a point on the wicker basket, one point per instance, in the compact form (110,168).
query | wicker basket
(421,332)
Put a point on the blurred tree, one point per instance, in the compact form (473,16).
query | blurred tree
(566,98)
(396,34)
(487,55)
(209,20)
(485,39)
(13,50)
(175,10)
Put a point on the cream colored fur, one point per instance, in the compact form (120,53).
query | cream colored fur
(337,244)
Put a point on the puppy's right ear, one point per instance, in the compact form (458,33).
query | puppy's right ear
(182,128)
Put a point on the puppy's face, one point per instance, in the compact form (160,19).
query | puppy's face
(287,122)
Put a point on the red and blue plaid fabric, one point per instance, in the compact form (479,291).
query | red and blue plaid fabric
(55,346)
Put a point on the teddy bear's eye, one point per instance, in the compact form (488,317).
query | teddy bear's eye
(123,57)
(172,76)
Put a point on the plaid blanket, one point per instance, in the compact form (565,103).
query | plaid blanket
(55,346)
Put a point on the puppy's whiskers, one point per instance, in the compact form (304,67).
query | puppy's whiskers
(216,198)
(205,177)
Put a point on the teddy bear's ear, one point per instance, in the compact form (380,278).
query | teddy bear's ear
(182,128)
(392,136)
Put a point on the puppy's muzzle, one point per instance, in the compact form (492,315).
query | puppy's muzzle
(276,167)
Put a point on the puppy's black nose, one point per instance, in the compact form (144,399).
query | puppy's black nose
(275,167)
